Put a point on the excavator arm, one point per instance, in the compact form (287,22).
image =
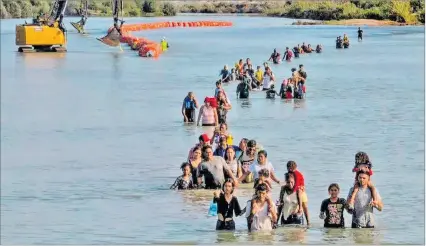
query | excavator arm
(84,13)
(114,34)
(57,13)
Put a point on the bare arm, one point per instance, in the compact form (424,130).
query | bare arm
(216,119)
(274,178)
(199,115)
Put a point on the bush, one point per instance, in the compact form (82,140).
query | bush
(26,9)
(149,6)
(402,10)
(13,9)
(421,16)
(169,9)
(3,12)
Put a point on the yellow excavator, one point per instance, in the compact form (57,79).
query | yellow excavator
(46,33)
(79,26)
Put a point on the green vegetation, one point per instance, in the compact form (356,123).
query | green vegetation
(404,11)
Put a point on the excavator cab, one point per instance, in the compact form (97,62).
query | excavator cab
(79,26)
(114,34)
(47,33)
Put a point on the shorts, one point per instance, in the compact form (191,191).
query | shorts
(354,225)
(225,225)
(208,124)
(292,220)
(304,197)
(190,114)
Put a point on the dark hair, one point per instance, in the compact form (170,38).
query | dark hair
(362,172)
(262,152)
(184,165)
(228,181)
(261,187)
(301,65)
(224,123)
(264,172)
(218,82)
(288,176)
(196,148)
(244,140)
(226,153)
(251,143)
(333,185)
(293,70)
(204,151)
(361,158)
(291,165)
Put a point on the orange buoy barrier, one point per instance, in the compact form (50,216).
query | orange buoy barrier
(148,48)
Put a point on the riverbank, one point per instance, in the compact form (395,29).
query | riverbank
(351,22)
(400,11)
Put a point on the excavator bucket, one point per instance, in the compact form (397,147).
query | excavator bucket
(112,38)
(79,26)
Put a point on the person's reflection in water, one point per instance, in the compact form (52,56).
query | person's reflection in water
(298,103)
(366,236)
(294,235)
(116,72)
(334,235)
(226,237)
(263,237)
(245,103)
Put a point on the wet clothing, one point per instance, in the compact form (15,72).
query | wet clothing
(360,34)
(245,161)
(271,93)
(332,212)
(207,118)
(288,55)
(213,172)
(227,210)
(275,57)
(243,89)
(164,45)
(362,214)
(221,112)
(233,165)
(296,52)
(259,76)
(289,207)
(226,75)
(182,184)
(189,109)
(261,221)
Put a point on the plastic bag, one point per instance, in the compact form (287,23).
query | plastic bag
(213,209)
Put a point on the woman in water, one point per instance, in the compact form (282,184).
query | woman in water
(227,205)
(261,212)
(332,208)
(231,160)
(195,161)
(223,107)
(185,181)
(288,208)
(208,114)
(222,132)
(268,79)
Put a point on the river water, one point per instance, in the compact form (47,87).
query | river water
(92,139)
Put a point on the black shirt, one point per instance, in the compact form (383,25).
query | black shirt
(333,213)
(360,33)
(227,209)
(270,93)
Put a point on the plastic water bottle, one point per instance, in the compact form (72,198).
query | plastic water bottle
(213,209)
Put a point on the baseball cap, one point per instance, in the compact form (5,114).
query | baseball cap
(204,138)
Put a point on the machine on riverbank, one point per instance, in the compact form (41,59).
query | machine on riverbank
(46,33)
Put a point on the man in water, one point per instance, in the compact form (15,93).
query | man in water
(270,94)
(362,211)
(287,54)
(275,57)
(244,88)
(188,108)
(360,34)
(213,169)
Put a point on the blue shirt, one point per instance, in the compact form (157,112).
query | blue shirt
(189,104)
(224,73)
(222,151)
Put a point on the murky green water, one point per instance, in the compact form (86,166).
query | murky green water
(92,139)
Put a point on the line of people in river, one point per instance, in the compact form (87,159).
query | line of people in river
(222,169)
(294,52)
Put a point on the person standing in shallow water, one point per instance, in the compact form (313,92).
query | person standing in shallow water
(227,205)
(362,210)
(332,208)
(360,34)
(188,108)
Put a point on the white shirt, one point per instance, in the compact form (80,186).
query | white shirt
(267,82)
(256,167)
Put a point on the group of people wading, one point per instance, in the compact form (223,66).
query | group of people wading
(216,163)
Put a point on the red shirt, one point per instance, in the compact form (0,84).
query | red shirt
(299,180)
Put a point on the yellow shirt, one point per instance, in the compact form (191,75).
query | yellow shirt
(259,75)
